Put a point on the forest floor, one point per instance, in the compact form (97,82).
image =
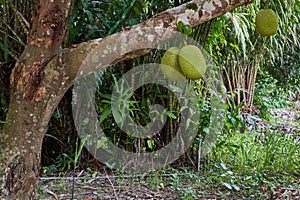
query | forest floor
(211,183)
(163,186)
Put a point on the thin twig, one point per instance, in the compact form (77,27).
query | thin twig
(51,193)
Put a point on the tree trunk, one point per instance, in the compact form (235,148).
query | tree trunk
(21,143)
(30,109)
(34,94)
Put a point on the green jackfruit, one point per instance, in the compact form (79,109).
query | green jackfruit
(266,22)
(170,64)
(192,62)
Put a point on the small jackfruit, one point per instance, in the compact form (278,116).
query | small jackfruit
(266,22)
(170,64)
(192,62)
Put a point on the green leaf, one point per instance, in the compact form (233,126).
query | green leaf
(89,14)
(104,115)
(170,114)
(188,30)
(84,3)
(150,144)
(180,26)
(118,118)
(192,6)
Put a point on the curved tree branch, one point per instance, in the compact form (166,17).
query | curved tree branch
(139,39)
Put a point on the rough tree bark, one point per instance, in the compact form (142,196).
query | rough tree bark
(33,97)
(44,72)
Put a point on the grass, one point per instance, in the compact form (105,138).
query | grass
(267,152)
(214,183)
(242,166)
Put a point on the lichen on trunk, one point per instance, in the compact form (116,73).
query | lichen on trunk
(20,151)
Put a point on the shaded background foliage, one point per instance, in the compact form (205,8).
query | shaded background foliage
(14,27)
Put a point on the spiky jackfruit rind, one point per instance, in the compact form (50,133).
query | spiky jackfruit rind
(192,62)
(266,22)
(170,64)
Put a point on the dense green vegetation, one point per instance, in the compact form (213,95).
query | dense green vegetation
(259,74)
